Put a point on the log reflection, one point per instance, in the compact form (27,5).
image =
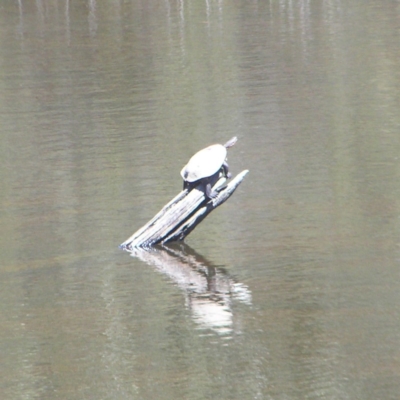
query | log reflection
(209,290)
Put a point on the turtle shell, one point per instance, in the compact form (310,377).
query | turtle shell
(204,163)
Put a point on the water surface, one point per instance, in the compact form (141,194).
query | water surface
(290,290)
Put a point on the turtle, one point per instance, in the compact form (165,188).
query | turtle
(206,166)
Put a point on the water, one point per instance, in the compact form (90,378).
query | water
(290,290)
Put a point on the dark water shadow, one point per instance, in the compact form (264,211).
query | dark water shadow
(209,290)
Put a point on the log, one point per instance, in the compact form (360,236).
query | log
(181,215)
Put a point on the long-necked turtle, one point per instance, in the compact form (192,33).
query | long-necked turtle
(205,166)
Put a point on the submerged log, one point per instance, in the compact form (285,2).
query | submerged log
(181,215)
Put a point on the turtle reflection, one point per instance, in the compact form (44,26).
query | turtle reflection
(209,291)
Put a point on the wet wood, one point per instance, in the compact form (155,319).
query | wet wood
(181,215)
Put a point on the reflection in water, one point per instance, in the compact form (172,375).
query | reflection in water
(21,19)
(92,18)
(208,290)
(182,27)
(67,23)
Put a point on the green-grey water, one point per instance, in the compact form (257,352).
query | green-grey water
(288,291)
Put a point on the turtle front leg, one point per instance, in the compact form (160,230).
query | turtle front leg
(186,185)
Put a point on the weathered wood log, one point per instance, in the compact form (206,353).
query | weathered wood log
(181,215)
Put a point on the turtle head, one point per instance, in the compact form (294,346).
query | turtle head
(230,142)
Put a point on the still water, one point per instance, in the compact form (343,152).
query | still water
(290,290)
